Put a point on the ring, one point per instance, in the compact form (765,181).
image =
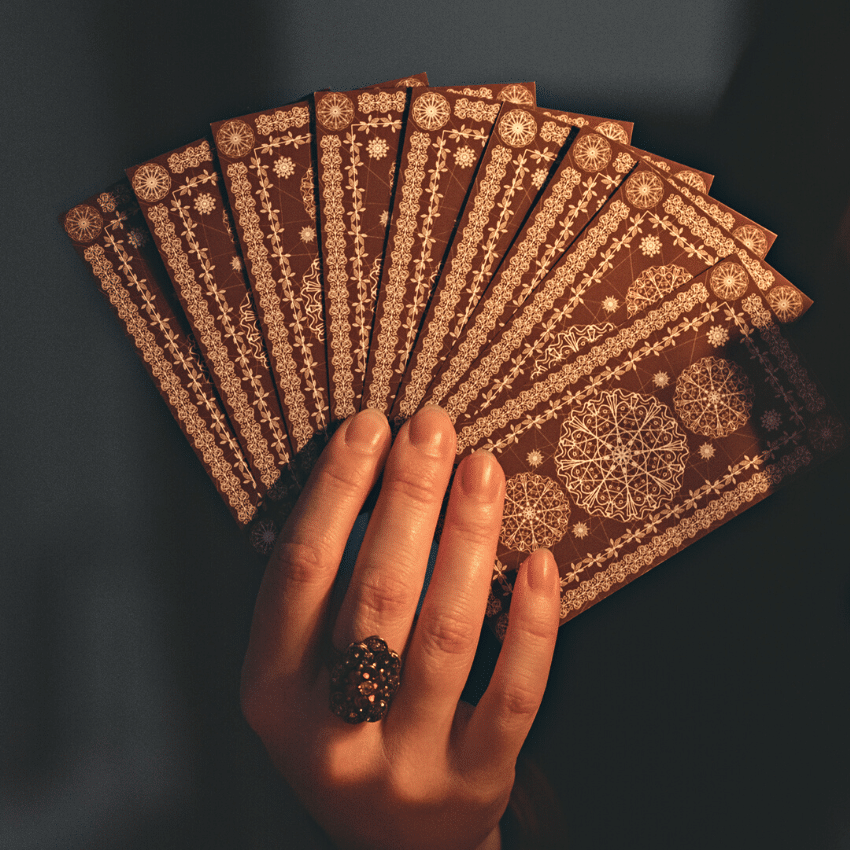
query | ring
(364,681)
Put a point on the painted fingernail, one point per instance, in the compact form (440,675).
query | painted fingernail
(429,431)
(366,431)
(541,570)
(481,475)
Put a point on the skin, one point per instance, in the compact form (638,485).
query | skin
(435,772)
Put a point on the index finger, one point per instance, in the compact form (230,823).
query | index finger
(292,603)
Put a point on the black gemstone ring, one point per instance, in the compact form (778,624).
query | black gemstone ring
(364,681)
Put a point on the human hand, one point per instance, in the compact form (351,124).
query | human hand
(435,772)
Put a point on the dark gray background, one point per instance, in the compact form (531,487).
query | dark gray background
(703,706)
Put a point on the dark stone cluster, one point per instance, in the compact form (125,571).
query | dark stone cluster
(364,681)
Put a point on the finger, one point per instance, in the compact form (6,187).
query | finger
(449,625)
(390,568)
(501,721)
(290,611)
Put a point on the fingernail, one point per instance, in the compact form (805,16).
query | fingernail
(481,476)
(429,431)
(539,568)
(366,431)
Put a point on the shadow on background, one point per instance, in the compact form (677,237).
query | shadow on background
(702,706)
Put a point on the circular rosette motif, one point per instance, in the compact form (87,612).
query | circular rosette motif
(785,302)
(613,131)
(827,433)
(713,397)
(335,111)
(692,179)
(644,189)
(431,110)
(517,128)
(653,284)
(263,536)
(83,223)
(537,512)
(409,83)
(753,238)
(151,182)
(729,281)
(621,455)
(592,152)
(516,94)
(234,139)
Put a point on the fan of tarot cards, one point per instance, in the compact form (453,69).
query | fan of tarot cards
(580,307)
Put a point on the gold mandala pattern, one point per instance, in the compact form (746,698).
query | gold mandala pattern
(713,397)
(151,182)
(431,111)
(652,285)
(644,189)
(592,153)
(753,237)
(729,281)
(83,223)
(517,128)
(692,179)
(785,302)
(537,512)
(335,111)
(234,138)
(621,455)
(517,94)
(614,132)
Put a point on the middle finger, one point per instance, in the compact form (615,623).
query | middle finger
(390,568)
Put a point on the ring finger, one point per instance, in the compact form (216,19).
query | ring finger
(390,568)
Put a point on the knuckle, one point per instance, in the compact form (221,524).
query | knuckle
(343,476)
(416,485)
(519,702)
(447,634)
(477,531)
(300,561)
(383,595)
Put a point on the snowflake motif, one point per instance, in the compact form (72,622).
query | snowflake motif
(650,246)
(660,379)
(205,204)
(713,397)
(539,178)
(621,455)
(771,420)
(377,148)
(610,304)
(717,336)
(234,138)
(385,217)
(827,433)
(284,167)
(263,536)
(580,530)
(308,234)
(706,451)
(138,238)
(236,264)
(536,512)
(465,157)
(729,281)
(534,458)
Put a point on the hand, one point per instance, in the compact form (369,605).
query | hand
(435,772)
